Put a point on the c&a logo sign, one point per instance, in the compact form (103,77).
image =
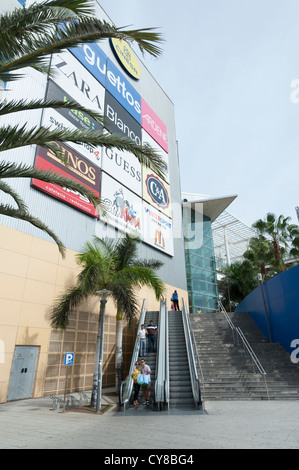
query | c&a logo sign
(157,192)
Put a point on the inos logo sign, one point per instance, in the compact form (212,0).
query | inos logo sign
(157,191)
(126,57)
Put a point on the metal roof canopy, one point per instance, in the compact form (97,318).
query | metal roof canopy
(231,237)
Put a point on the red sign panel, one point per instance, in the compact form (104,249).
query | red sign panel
(79,169)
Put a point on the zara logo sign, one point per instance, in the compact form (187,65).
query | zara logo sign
(157,191)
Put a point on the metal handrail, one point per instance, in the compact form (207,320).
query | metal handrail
(162,359)
(192,366)
(254,358)
(246,345)
(194,344)
(126,386)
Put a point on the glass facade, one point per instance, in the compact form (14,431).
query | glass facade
(201,267)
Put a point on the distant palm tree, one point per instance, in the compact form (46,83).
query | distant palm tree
(112,265)
(28,36)
(284,237)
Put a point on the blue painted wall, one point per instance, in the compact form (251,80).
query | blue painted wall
(281,294)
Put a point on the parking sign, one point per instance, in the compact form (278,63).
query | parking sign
(69,359)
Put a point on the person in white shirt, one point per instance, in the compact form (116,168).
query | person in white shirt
(142,341)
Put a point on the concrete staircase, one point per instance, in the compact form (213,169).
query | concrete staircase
(228,370)
(180,389)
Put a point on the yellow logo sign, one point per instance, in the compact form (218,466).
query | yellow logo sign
(126,57)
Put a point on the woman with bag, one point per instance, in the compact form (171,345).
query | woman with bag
(134,376)
(146,371)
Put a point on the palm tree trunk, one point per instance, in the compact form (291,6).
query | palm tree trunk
(118,352)
(96,363)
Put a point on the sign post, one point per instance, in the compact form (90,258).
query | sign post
(68,361)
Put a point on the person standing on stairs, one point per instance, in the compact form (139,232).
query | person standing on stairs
(142,341)
(152,331)
(134,376)
(175,300)
(146,389)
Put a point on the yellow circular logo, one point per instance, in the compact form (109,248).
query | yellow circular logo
(126,57)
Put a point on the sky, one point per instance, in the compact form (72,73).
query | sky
(231,68)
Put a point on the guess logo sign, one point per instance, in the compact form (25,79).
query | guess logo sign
(157,191)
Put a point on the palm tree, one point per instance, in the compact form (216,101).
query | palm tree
(112,265)
(260,255)
(284,237)
(28,37)
(240,278)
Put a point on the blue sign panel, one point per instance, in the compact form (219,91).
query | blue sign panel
(93,59)
(69,359)
(123,91)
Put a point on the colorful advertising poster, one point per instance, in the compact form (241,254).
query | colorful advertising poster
(124,167)
(156,191)
(124,208)
(157,229)
(93,59)
(52,119)
(148,141)
(79,169)
(153,125)
(119,121)
(81,120)
(122,90)
(70,75)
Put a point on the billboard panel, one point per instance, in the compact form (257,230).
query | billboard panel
(124,208)
(157,229)
(156,192)
(124,167)
(93,59)
(153,125)
(79,119)
(120,121)
(51,118)
(147,140)
(122,90)
(70,75)
(79,169)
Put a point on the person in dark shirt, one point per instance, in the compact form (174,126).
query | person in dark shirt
(152,331)
(175,300)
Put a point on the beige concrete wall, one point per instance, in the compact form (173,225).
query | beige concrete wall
(32,275)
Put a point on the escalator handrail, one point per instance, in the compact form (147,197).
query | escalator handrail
(192,364)
(126,387)
(161,384)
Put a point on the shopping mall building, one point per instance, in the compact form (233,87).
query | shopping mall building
(116,83)
(188,233)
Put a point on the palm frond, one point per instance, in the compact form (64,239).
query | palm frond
(15,137)
(62,307)
(8,107)
(8,190)
(13,170)
(32,50)
(24,215)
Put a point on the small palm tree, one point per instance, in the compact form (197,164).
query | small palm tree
(28,37)
(112,265)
